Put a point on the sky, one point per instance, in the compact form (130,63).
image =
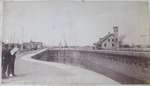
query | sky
(75,22)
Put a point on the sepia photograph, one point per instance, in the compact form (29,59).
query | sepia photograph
(75,42)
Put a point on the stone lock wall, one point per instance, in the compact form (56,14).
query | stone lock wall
(123,66)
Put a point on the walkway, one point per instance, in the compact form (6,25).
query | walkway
(30,71)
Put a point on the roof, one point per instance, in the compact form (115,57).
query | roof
(105,38)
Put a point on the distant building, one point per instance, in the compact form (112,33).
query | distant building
(109,41)
(32,45)
(26,46)
(12,44)
(36,45)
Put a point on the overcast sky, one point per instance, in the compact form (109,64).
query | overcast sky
(77,23)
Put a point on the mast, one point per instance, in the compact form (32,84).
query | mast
(22,29)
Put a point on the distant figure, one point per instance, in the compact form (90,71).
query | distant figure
(12,61)
(6,58)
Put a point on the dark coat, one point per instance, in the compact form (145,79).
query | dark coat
(6,56)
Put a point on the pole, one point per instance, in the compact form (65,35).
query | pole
(149,19)
(22,37)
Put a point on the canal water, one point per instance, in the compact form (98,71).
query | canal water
(85,60)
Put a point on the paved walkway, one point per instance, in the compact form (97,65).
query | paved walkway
(30,71)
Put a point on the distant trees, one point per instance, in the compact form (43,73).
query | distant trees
(148,46)
(121,38)
(125,46)
(138,46)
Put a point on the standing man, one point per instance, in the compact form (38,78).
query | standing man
(12,62)
(6,57)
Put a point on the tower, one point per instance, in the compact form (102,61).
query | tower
(115,29)
(116,40)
